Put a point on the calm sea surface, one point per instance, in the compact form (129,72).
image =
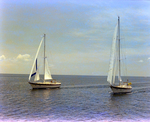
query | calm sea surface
(80,98)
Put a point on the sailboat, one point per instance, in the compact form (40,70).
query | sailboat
(47,81)
(115,65)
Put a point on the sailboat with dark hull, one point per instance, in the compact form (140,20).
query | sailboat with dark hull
(47,81)
(115,65)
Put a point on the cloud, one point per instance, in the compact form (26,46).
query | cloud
(140,61)
(2,57)
(24,57)
(148,58)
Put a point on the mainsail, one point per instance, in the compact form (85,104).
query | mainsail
(47,74)
(113,60)
(34,70)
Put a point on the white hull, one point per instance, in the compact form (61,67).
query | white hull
(122,89)
(42,85)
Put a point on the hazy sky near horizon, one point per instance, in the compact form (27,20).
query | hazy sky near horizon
(78,35)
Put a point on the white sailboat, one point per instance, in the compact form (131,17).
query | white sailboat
(47,81)
(115,65)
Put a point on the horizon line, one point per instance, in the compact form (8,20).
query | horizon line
(69,74)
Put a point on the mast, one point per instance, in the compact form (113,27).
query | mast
(119,48)
(44,56)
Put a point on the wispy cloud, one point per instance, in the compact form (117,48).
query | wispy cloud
(25,57)
(2,57)
(141,61)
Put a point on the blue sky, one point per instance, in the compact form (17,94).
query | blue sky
(78,34)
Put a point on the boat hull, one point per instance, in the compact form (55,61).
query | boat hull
(40,85)
(121,90)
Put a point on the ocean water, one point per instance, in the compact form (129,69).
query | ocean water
(80,98)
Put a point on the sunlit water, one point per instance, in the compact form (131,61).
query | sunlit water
(80,98)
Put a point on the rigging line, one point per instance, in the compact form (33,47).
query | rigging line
(125,53)
(51,57)
(124,58)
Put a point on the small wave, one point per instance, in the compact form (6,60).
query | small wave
(141,90)
(84,86)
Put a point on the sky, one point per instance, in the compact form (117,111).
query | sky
(78,35)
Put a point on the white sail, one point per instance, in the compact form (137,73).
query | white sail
(34,66)
(47,71)
(112,68)
(37,76)
(115,67)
